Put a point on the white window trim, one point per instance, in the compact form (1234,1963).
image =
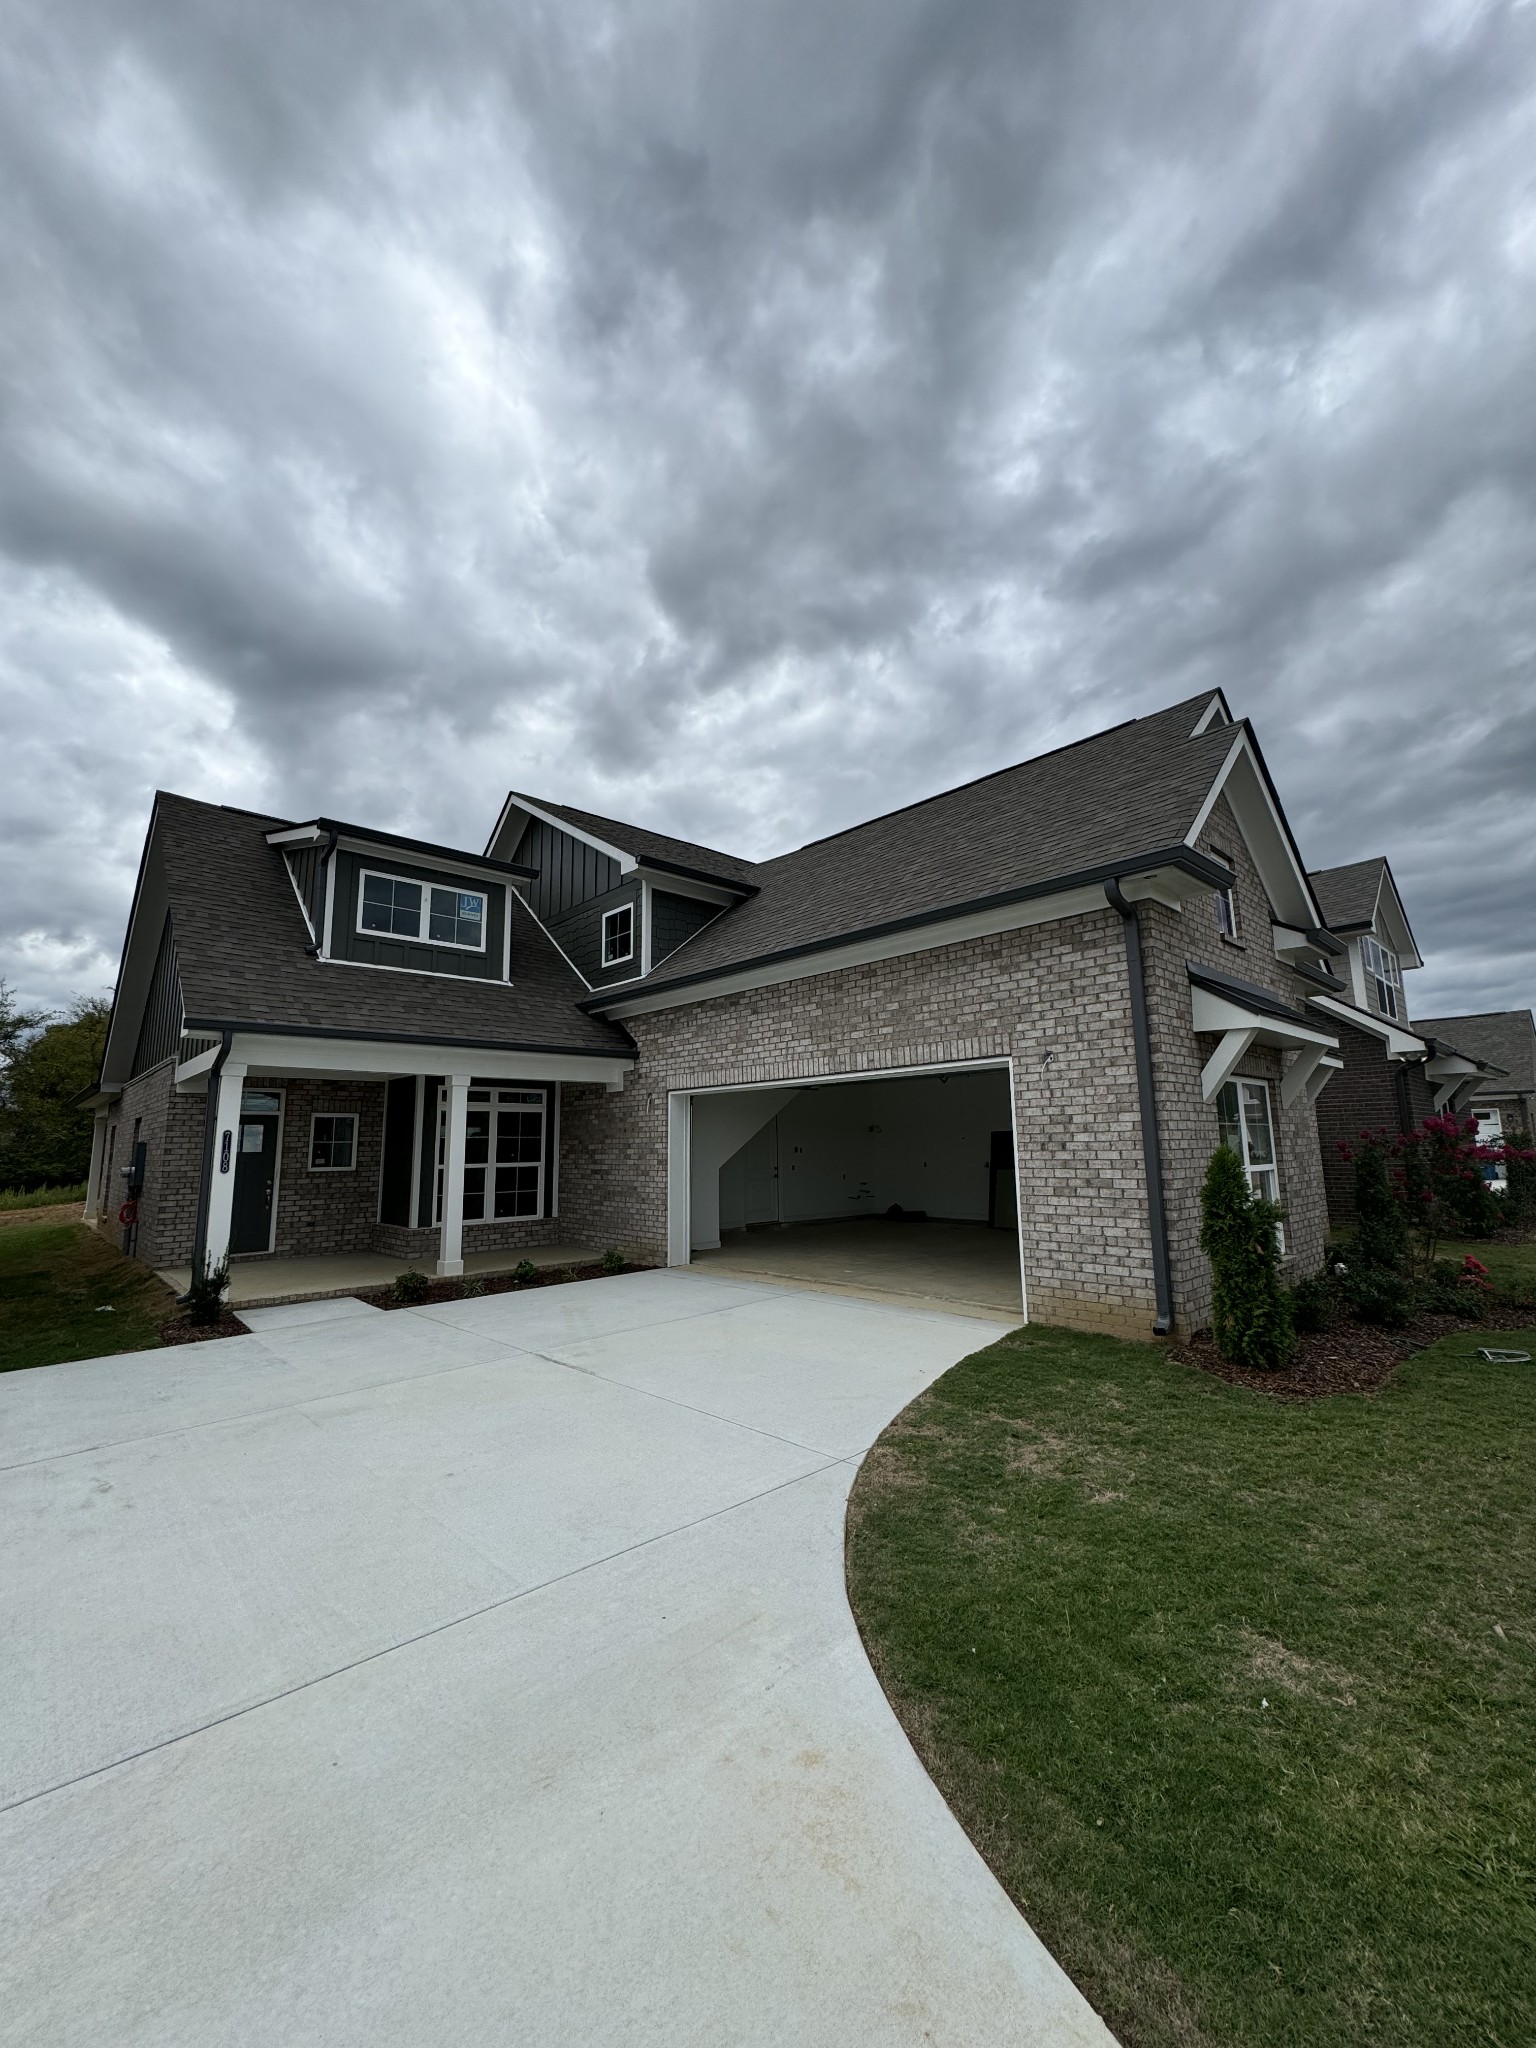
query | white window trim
(426,888)
(495,1088)
(332,1116)
(1387,975)
(1234,937)
(1239,1082)
(618,959)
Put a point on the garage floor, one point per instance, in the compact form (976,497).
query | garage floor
(965,1266)
(481,1673)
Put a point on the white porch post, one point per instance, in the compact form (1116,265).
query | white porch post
(226,1151)
(450,1250)
(93,1185)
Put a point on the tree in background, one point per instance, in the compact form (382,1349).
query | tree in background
(45,1063)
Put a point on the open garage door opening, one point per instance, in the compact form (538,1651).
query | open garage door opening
(901,1185)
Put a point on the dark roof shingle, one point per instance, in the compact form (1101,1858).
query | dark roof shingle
(1504,1038)
(1132,790)
(241,939)
(1347,895)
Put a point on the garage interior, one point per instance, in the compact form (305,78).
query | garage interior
(899,1186)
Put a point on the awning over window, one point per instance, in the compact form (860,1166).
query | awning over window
(1244,1016)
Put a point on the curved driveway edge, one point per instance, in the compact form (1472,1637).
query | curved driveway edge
(481,1673)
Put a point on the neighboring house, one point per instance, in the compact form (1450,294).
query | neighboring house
(1394,1073)
(1037,1001)
(1504,1099)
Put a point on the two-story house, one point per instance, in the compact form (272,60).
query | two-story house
(1025,1009)
(1395,1073)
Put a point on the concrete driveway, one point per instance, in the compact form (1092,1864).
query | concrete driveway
(478,1674)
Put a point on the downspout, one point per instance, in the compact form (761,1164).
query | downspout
(210,1131)
(1151,1151)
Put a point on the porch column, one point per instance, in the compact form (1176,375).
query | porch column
(93,1184)
(226,1152)
(450,1250)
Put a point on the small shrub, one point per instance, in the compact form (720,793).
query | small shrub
(525,1270)
(613,1261)
(204,1299)
(1378,1296)
(1250,1311)
(410,1287)
(471,1287)
(1314,1303)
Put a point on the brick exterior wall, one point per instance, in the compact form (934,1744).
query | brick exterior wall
(1365,1097)
(1054,998)
(1187,1125)
(171,1128)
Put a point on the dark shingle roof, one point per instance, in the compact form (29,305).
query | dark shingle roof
(1504,1038)
(1347,896)
(647,845)
(241,938)
(1133,790)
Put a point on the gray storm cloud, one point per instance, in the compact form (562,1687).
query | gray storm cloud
(749,420)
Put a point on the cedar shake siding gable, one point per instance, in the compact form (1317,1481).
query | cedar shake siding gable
(244,959)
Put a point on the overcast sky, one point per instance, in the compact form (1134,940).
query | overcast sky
(748,419)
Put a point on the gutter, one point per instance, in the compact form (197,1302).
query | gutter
(210,1131)
(1151,1150)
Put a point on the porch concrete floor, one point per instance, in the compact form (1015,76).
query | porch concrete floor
(968,1267)
(263,1283)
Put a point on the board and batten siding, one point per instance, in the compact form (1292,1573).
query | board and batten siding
(376,949)
(160,1028)
(570,871)
(579,934)
(308,871)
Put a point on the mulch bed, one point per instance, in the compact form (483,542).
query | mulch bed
(1351,1358)
(179,1331)
(500,1283)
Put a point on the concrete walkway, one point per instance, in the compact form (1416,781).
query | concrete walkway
(478,1674)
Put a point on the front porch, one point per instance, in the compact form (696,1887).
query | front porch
(332,1165)
(264,1283)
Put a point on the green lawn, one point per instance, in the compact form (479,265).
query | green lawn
(54,1277)
(1235,1696)
(1510,1266)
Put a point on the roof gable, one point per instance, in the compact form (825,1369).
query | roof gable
(1364,896)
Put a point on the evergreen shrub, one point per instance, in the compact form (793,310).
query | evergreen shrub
(1250,1310)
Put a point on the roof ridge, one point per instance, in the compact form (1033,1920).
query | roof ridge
(1012,768)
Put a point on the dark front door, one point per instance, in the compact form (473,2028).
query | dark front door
(255,1174)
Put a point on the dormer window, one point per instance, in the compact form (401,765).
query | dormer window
(1383,978)
(618,935)
(392,905)
(1226,900)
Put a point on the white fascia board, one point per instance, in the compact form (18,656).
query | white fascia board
(510,809)
(1390,921)
(384,1059)
(1211,1012)
(191,1077)
(1239,781)
(1400,1044)
(1208,716)
(297,835)
(626,861)
(860,952)
(685,885)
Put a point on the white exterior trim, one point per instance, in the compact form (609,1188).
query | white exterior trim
(226,1136)
(1224,1061)
(309,925)
(452,945)
(1241,1028)
(330,901)
(626,861)
(1207,717)
(1400,1043)
(386,1059)
(332,1116)
(1259,820)
(450,1253)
